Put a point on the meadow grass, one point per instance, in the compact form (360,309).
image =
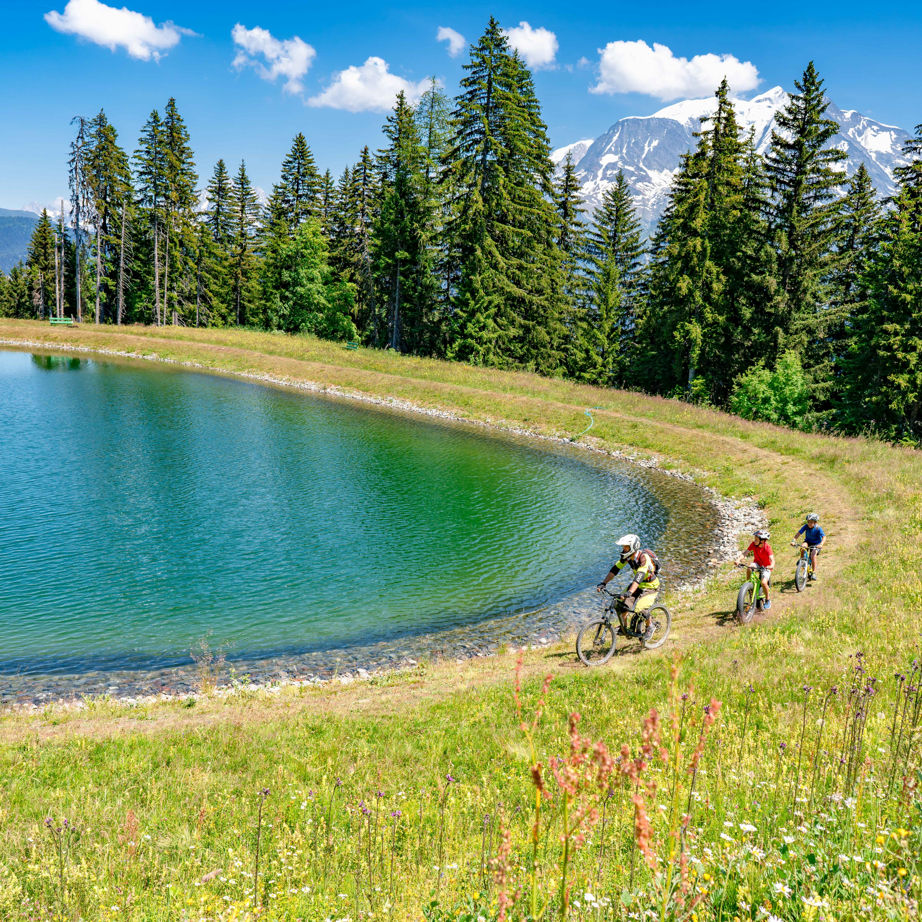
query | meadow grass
(794,796)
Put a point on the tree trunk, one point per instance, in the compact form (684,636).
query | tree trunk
(77,261)
(198,284)
(121,272)
(98,268)
(156,268)
(57,280)
(166,274)
(395,332)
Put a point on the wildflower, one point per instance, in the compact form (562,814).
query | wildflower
(815,902)
(782,888)
(747,827)
(727,838)
(449,779)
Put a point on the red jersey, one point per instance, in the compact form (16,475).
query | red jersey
(761,554)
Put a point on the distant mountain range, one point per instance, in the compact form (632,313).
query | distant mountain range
(15,232)
(648,149)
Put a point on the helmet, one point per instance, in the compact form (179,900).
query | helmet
(633,542)
(762,533)
(813,517)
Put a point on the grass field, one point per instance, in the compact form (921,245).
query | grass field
(415,795)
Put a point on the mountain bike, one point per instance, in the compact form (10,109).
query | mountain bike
(597,640)
(750,596)
(804,568)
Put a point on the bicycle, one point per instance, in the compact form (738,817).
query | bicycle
(750,595)
(804,568)
(597,640)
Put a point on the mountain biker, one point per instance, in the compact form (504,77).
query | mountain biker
(762,557)
(815,538)
(641,594)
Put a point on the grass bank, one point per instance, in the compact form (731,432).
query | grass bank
(389,799)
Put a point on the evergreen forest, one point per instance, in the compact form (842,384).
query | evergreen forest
(773,286)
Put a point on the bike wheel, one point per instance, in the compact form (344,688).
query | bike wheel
(800,575)
(662,625)
(596,643)
(745,606)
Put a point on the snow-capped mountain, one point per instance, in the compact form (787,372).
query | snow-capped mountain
(648,149)
(577,151)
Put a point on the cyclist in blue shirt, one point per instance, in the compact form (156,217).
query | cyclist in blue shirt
(815,538)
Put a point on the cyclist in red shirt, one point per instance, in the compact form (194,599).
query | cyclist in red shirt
(763,559)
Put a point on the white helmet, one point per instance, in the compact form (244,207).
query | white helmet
(813,517)
(631,541)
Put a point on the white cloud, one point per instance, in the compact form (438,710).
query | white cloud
(538,47)
(455,40)
(117,28)
(369,88)
(635,67)
(290,58)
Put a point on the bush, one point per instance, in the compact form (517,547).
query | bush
(781,396)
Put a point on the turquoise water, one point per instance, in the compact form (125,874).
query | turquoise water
(142,508)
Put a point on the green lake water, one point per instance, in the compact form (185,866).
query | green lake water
(143,508)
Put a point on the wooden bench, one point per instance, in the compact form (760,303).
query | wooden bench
(62,321)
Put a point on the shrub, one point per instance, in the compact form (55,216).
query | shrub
(781,396)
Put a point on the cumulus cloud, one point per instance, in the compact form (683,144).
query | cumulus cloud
(369,88)
(289,58)
(117,28)
(538,47)
(635,67)
(455,40)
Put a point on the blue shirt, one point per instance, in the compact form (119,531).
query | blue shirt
(812,535)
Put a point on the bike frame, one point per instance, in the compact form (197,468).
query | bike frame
(755,575)
(808,553)
(619,607)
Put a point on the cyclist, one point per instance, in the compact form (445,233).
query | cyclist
(815,538)
(641,594)
(762,557)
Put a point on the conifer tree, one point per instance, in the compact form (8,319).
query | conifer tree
(40,264)
(883,369)
(615,252)
(243,265)
(219,213)
(151,190)
(79,200)
(297,196)
(327,201)
(858,229)
(505,279)
(180,182)
(910,176)
(403,262)
(214,295)
(804,173)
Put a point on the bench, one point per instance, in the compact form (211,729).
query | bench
(61,321)
(352,346)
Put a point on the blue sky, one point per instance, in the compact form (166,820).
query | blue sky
(324,68)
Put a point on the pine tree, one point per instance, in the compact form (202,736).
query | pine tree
(858,228)
(181,200)
(615,253)
(40,265)
(79,199)
(219,213)
(15,299)
(151,185)
(504,272)
(328,201)
(214,292)
(403,262)
(297,196)
(243,266)
(910,176)
(804,174)
(883,369)
(109,179)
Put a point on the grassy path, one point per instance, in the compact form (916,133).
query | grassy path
(187,776)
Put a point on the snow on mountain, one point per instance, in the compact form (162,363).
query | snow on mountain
(53,208)
(648,149)
(577,151)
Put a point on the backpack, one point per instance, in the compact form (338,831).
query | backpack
(653,557)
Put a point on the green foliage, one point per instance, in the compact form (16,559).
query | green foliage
(780,396)
(309,298)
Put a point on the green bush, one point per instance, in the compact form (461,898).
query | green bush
(781,396)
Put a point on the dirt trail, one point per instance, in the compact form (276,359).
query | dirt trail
(695,626)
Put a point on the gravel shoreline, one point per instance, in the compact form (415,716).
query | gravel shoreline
(343,666)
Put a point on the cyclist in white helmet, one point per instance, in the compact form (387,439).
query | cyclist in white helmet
(644,588)
(763,560)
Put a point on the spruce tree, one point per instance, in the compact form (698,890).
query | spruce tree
(504,266)
(910,176)
(214,292)
(804,173)
(80,200)
(151,190)
(181,200)
(243,264)
(608,323)
(40,265)
(403,261)
(298,194)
